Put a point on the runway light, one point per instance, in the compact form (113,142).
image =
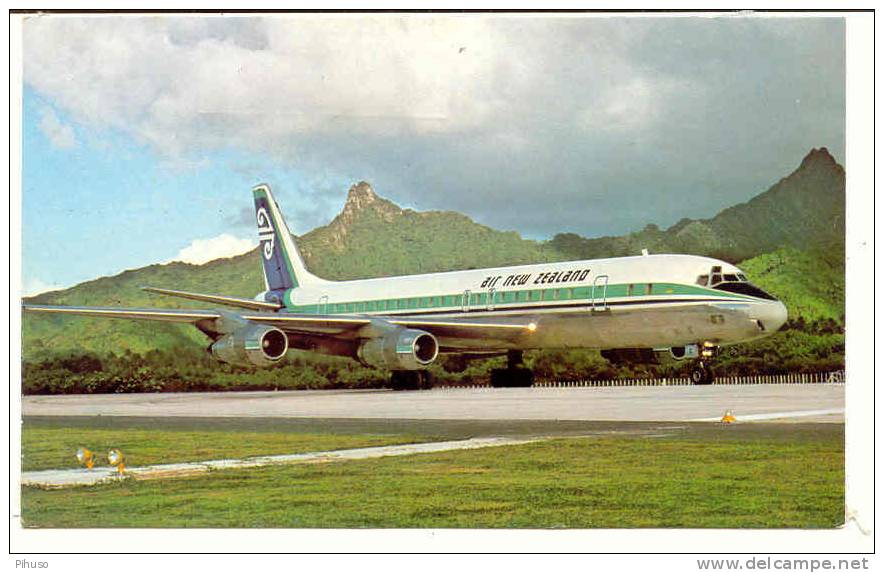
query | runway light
(86,457)
(728,418)
(115,458)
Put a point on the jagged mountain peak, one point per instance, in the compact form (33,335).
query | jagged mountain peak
(360,195)
(361,198)
(819,158)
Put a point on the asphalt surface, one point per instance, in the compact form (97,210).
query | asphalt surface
(754,403)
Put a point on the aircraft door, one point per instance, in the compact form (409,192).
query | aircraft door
(491,292)
(599,296)
(323,305)
(466,300)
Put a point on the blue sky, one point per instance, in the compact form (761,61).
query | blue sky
(102,203)
(143,136)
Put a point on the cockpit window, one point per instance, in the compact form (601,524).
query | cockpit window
(731,282)
(744,288)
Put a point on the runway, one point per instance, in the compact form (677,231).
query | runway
(768,402)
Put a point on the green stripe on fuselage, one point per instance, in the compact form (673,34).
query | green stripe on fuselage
(502,299)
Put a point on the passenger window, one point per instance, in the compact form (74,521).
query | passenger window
(360,307)
(535,295)
(703,280)
(547,295)
(522,296)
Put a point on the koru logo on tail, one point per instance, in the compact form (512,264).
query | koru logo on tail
(266,235)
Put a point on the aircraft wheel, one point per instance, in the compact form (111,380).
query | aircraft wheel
(426,379)
(512,378)
(405,380)
(701,374)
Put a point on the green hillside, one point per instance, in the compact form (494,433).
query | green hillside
(803,210)
(790,240)
(809,285)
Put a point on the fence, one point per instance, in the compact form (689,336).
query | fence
(835,377)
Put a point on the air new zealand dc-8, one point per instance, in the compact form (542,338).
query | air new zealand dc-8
(629,306)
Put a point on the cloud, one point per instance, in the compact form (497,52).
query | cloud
(202,251)
(634,105)
(180,83)
(33,286)
(467,112)
(59,135)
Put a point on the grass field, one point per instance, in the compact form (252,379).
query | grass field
(791,476)
(53,447)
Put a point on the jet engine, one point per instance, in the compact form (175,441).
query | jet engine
(683,352)
(400,349)
(251,345)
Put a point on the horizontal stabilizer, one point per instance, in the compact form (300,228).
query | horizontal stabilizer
(216,298)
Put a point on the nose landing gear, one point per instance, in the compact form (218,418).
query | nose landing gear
(702,372)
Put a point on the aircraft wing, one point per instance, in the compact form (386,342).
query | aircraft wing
(162,314)
(309,324)
(445,328)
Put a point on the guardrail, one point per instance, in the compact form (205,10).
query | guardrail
(834,377)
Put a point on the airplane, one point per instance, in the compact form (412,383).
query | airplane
(687,305)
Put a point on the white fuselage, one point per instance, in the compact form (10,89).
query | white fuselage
(648,301)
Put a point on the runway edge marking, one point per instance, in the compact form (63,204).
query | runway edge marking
(83,477)
(775,415)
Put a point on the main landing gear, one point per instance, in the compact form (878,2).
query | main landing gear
(514,375)
(702,373)
(411,380)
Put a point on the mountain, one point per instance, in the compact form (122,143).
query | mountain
(792,235)
(373,237)
(804,210)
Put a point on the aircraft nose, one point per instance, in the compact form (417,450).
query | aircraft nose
(772,315)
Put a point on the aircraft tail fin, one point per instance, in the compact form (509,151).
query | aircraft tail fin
(284,267)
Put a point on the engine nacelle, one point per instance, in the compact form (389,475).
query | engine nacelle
(251,345)
(400,349)
(684,352)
